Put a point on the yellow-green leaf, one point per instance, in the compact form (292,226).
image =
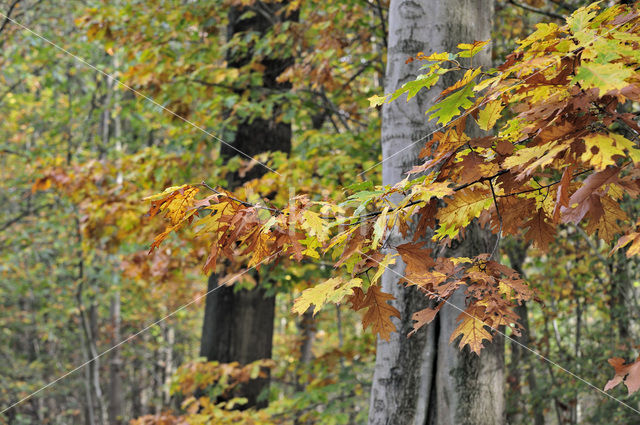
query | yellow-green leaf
(490,114)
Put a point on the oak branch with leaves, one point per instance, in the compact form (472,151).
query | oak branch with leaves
(561,147)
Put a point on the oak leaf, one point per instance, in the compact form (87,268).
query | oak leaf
(490,114)
(601,149)
(472,329)
(606,225)
(388,260)
(424,317)
(174,202)
(631,237)
(540,231)
(332,290)
(627,373)
(466,205)
(315,225)
(450,106)
(606,76)
(379,311)
(416,257)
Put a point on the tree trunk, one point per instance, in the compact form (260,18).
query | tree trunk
(424,379)
(238,325)
(115,366)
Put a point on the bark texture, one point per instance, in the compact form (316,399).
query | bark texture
(424,379)
(238,325)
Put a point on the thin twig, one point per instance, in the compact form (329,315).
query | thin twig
(495,202)
(8,14)
(382,22)
(245,203)
(534,10)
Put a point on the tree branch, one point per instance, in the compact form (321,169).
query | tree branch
(564,5)
(534,10)
(8,14)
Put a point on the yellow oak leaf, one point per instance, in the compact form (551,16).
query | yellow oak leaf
(174,202)
(472,329)
(261,250)
(600,150)
(603,76)
(466,205)
(490,114)
(332,290)
(315,225)
(526,155)
(376,100)
(425,192)
(165,193)
(379,228)
(382,266)
(433,57)
(634,239)
(542,31)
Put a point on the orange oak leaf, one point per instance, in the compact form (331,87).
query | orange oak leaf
(424,317)
(540,231)
(562,197)
(379,311)
(634,239)
(606,225)
(627,373)
(416,257)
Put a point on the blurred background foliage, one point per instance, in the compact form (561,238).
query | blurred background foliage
(78,152)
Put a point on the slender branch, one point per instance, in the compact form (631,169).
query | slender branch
(245,203)
(495,202)
(534,10)
(8,14)
(10,152)
(543,186)
(382,22)
(14,220)
(564,5)
(371,215)
(595,250)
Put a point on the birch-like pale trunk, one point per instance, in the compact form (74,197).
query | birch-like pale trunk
(424,379)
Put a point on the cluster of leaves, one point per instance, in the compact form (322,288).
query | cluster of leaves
(88,198)
(561,154)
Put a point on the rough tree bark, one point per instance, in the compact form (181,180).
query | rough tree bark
(238,325)
(424,379)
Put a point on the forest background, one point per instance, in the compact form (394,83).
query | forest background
(80,152)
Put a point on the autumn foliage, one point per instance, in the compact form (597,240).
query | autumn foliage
(559,149)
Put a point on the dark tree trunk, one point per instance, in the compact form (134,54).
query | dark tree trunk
(238,325)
